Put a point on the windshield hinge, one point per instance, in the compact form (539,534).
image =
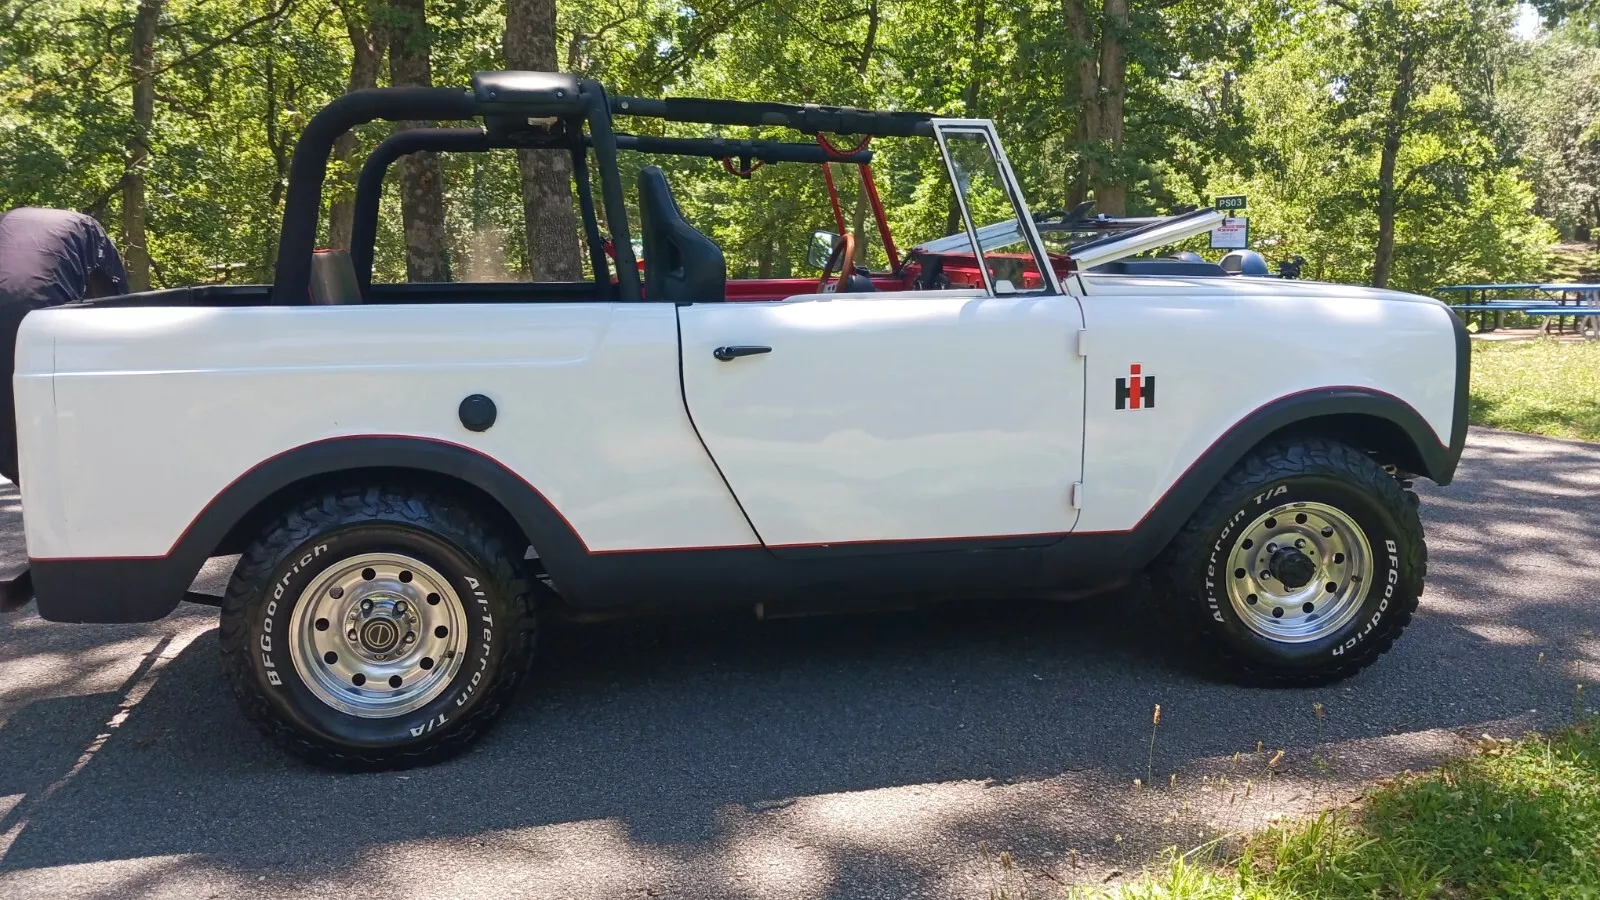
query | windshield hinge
(1075,495)
(1083,342)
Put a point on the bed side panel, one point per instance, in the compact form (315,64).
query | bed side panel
(159,410)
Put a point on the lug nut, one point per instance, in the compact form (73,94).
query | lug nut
(366,607)
(383,656)
(400,607)
(1272,548)
(1300,542)
(411,637)
(353,636)
(336,593)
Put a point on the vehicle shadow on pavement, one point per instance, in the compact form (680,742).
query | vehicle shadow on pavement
(859,751)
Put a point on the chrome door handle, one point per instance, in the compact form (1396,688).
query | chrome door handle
(728,353)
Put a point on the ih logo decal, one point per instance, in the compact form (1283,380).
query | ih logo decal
(1137,391)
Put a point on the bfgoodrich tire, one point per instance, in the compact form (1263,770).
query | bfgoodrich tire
(377,627)
(1301,568)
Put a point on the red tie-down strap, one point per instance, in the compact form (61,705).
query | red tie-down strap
(745,169)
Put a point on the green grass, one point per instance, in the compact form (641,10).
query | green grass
(1519,820)
(1573,262)
(1537,386)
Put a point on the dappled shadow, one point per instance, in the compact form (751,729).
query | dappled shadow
(858,756)
(13,550)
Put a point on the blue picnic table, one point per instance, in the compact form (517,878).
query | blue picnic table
(1550,301)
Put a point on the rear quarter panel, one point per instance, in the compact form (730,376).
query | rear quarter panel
(1222,348)
(136,418)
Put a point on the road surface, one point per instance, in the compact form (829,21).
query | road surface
(881,756)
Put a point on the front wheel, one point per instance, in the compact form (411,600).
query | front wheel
(376,628)
(1302,567)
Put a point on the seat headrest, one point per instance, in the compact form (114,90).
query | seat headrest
(333,279)
(680,263)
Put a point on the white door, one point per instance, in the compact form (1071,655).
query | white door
(898,416)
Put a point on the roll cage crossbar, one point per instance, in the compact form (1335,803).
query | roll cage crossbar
(541,110)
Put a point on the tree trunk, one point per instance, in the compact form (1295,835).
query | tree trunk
(1084,98)
(970,103)
(135,249)
(530,44)
(871,42)
(421,190)
(276,144)
(1110,194)
(764,258)
(367,46)
(970,94)
(1388,197)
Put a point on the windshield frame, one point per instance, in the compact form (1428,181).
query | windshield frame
(1024,218)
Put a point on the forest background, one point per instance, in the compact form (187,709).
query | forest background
(1406,143)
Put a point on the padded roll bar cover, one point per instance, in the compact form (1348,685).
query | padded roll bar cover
(681,265)
(533,93)
(333,279)
(807,118)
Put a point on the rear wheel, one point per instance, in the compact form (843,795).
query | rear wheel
(376,628)
(1302,567)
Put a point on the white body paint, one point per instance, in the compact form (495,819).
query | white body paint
(892,416)
(1220,349)
(876,418)
(145,415)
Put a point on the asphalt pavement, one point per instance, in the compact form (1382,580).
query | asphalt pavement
(883,756)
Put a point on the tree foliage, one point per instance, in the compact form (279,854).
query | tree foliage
(1148,105)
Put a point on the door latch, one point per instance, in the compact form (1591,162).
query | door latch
(728,353)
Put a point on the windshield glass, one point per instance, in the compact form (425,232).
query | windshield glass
(1008,257)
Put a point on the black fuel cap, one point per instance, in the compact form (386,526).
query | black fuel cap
(477,412)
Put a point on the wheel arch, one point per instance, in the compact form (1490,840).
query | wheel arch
(239,535)
(1372,420)
(227,523)
(144,589)
(1388,442)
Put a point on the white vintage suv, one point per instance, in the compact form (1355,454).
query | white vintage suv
(413,473)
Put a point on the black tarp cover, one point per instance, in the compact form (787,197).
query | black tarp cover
(49,256)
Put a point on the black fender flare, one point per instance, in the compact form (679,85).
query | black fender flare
(142,589)
(1311,411)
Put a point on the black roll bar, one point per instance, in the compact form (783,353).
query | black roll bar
(496,99)
(369,187)
(302,207)
(605,155)
(507,101)
(725,148)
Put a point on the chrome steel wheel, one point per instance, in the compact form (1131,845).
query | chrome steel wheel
(1299,572)
(378,635)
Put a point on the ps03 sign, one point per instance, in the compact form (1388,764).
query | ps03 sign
(1236,201)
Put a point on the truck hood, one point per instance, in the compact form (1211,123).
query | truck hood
(1106,283)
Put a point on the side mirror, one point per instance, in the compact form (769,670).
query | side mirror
(821,248)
